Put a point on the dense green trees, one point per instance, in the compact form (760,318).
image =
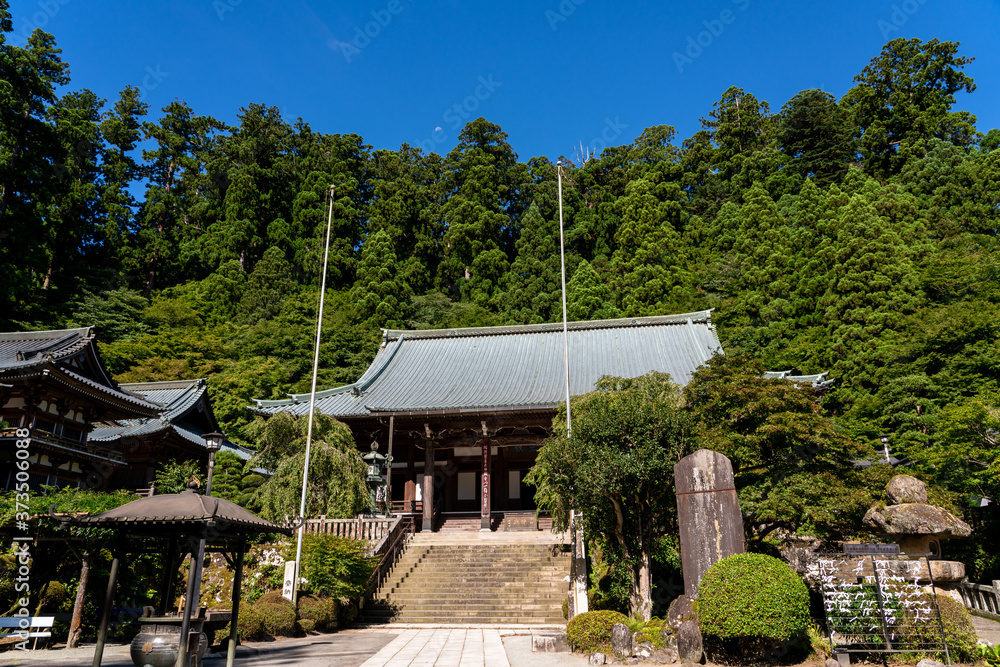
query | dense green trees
(627,436)
(856,236)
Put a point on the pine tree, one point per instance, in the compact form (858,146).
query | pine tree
(588,297)
(872,286)
(903,98)
(649,263)
(534,285)
(380,299)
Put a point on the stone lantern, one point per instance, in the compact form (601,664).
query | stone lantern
(918,526)
(376,476)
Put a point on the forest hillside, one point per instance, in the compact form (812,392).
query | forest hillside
(855,236)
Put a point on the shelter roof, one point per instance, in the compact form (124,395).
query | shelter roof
(511,367)
(178,513)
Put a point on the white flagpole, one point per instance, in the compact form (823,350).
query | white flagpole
(580,604)
(562,257)
(312,406)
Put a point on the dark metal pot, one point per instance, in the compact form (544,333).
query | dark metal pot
(156,645)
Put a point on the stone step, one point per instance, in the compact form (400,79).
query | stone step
(474,581)
(512,593)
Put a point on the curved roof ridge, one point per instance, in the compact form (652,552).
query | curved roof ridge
(48,334)
(162,384)
(649,320)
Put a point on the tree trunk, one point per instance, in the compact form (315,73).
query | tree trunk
(641,596)
(81,590)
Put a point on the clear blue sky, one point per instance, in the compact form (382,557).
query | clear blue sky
(552,73)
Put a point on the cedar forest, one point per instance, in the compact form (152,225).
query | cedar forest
(854,236)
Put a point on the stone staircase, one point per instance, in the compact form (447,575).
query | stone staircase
(475,578)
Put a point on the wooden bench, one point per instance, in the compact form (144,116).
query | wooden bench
(37,628)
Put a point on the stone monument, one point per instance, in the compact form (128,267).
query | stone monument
(708,514)
(915,524)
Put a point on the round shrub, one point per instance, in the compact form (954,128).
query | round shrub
(251,624)
(590,632)
(322,611)
(278,613)
(307,625)
(753,598)
(348,612)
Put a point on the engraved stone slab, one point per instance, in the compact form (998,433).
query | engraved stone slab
(708,514)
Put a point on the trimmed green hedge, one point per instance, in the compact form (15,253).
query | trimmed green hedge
(591,632)
(279,614)
(755,597)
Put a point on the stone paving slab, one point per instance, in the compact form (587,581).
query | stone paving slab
(427,646)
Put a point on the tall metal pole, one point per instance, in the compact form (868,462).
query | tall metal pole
(562,258)
(579,568)
(312,407)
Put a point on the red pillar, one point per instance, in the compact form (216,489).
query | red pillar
(486,522)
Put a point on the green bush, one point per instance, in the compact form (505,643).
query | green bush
(251,624)
(591,632)
(307,625)
(279,615)
(336,566)
(753,599)
(650,631)
(959,631)
(322,611)
(348,612)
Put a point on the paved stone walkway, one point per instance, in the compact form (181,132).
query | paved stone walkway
(987,630)
(442,648)
(370,647)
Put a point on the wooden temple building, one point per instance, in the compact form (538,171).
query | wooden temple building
(53,389)
(462,412)
(83,429)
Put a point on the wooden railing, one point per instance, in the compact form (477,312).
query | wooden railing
(407,506)
(361,528)
(981,600)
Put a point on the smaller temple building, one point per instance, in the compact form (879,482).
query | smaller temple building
(462,412)
(177,432)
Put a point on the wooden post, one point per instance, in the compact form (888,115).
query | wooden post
(190,604)
(486,518)
(427,525)
(388,467)
(237,594)
(109,600)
